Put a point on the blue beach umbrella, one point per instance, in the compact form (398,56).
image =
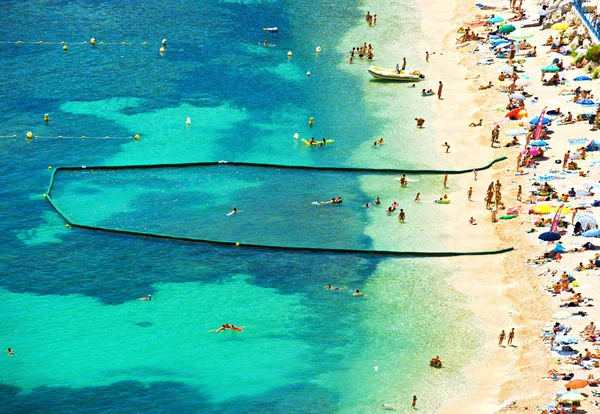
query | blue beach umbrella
(582,78)
(586,102)
(592,233)
(549,236)
(539,144)
(535,120)
(496,19)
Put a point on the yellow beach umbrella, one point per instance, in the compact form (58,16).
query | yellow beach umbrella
(564,210)
(543,209)
(560,26)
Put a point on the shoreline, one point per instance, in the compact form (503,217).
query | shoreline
(503,293)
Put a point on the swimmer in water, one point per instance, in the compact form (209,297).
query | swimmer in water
(380,141)
(330,287)
(377,201)
(358,293)
(266,43)
(418,197)
(10,352)
(234,211)
(323,142)
(149,297)
(403,180)
(368,205)
(222,328)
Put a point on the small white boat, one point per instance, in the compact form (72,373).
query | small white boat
(394,75)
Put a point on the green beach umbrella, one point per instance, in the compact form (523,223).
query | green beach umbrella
(507,28)
(521,36)
(550,68)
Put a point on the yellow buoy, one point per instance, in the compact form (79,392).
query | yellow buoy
(29,135)
(62,43)
(45,195)
(237,244)
(83,137)
(318,49)
(49,167)
(123,43)
(311,121)
(101,43)
(289,54)
(161,50)
(46,117)
(41,43)
(188,121)
(93,41)
(60,136)
(67,225)
(145,43)
(137,137)
(107,137)
(65,48)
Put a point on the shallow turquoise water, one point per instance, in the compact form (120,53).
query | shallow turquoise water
(83,341)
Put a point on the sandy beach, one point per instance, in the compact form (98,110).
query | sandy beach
(504,292)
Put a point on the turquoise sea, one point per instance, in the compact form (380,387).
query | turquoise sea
(68,297)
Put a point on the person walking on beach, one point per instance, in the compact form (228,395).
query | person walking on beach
(401,216)
(566,159)
(511,336)
(519,157)
(501,337)
(447,147)
(519,193)
(414,403)
(427,56)
(440,90)
(420,122)
(470,193)
(445,180)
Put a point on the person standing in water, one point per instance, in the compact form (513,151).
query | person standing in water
(414,402)
(401,216)
(418,197)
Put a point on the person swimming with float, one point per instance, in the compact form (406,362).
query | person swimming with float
(358,293)
(149,297)
(330,287)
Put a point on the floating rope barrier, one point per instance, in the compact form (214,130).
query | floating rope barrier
(71,223)
(30,137)
(92,43)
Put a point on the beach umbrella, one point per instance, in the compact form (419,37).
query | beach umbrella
(495,19)
(564,210)
(549,236)
(582,78)
(592,233)
(585,219)
(523,82)
(576,384)
(501,46)
(533,152)
(562,315)
(535,120)
(586,102)
(517,96)
(539,143)
(572,396)
(550,68)
(542,209)
(560,26)
(507,28)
